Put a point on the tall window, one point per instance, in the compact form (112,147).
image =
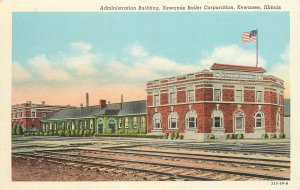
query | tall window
(172,120)
(143,121)
(172,98)
(217,119)
(21,114)
(156,121)
(32,113)
(259,119)
(135,122)
(278,99)
(190,96)
(239,119)
(121,122)
(239,96)
(217,95)
(190,119)
(126,122)
(100,126)
(156,100)
(278,120)
(259,96)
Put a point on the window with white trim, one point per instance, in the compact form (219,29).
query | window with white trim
(33,113)
(126,122)
(143,121)
(239,96)
(277,120)
(190,95)
(135,122)
(239,119)
(121,122)
(259,119)
(190,120)
(217,119)
(156,99)
(172,98)
(278,99)
(259,96)
(217,95)
(172,120)
(157,121)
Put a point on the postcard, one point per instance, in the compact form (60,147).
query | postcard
(149,94)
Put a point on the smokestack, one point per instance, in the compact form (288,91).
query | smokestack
(121,101)
(87,99)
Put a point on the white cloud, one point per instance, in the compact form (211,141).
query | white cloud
(136,50)
(47,69)
(282,69)
(82,64)
(81,46)
(19,73)
(232,54)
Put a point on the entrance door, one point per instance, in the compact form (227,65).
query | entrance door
(112,125)
(100,127)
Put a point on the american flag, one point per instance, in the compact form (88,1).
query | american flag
(249,36)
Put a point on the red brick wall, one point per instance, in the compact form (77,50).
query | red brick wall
(208,94)
(270,97)
(181,96)
(149,100)
(199,94)
(204,112)
(249,95)
(228,95)
(163,98)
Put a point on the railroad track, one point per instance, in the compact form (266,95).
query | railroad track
(245,148)
(175,171)
(267,163)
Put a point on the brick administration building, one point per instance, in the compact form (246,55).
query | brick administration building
(227,99)
(28,115)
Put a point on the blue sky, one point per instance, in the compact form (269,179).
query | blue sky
(44,42)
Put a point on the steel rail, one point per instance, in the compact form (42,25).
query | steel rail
(178,166)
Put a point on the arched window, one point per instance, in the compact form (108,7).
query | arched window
(239,121)
(172,120)
(277,120)
(217,119)
(100,126)
(157,121)
(190,120)
(259,119)
(112,125)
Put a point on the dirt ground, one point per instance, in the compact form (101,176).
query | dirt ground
(33,170)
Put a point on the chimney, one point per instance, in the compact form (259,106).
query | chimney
(87,99)
(81,105)
(121,101)
(102,103)
(43,103)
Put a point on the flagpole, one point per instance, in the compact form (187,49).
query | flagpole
(256,47)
